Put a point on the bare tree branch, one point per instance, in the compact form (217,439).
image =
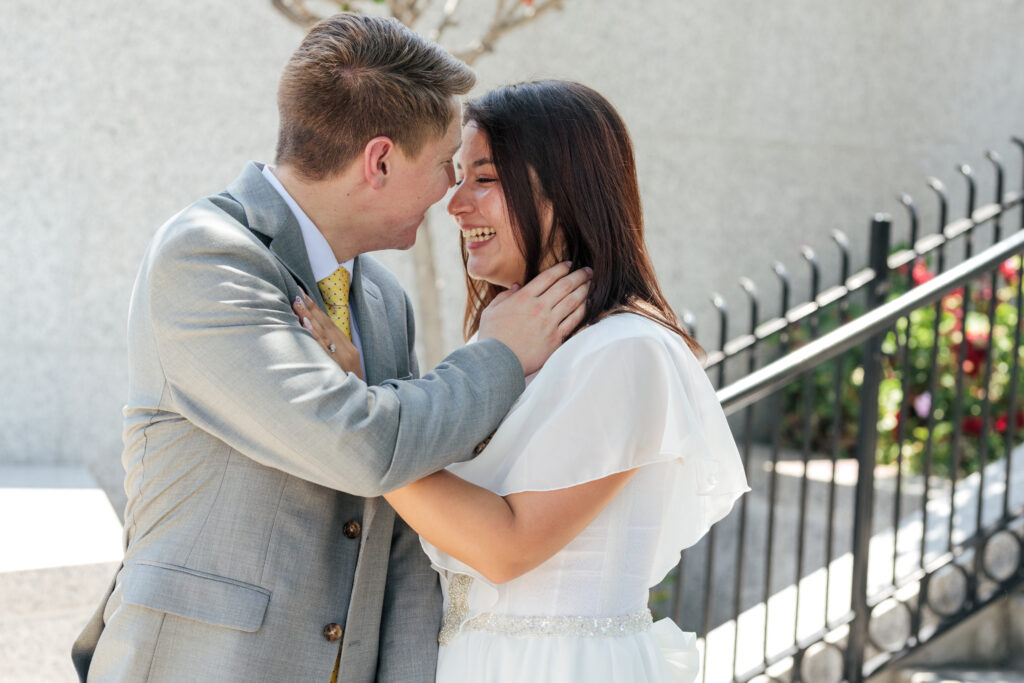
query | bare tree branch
(502,23)
(450,6)
(296,12)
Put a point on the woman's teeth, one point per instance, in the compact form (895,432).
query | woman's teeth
(478,234)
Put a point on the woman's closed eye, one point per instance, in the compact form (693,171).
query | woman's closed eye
(481,180)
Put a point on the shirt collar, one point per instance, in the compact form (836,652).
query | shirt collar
(321,257)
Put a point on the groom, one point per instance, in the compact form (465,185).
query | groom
(257,548)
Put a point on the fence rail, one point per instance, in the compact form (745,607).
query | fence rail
(888,501)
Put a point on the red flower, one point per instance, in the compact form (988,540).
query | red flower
(972,425)
(953,302)
(974,360)
(896,429)
(977,338)
(921,274)
(977,352)
(1001,421)
(1008,269)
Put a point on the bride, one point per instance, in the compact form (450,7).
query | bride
(615,458)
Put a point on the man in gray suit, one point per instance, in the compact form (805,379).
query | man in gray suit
(256,546)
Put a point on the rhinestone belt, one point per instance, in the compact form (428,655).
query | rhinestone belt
(507,625)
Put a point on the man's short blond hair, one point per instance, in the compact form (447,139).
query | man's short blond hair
(354,78)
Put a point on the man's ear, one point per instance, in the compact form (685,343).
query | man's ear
(378,155)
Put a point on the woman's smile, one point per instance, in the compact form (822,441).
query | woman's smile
(478,206)
(477,237)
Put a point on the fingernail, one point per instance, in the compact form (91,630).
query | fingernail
(298,300)
(308,325)
(590,271)
(568,263)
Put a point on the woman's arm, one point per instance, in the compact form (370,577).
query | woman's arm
(501,537)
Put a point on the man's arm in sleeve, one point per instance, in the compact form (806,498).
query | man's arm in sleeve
(238,365)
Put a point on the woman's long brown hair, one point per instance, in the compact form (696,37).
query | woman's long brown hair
(577,149)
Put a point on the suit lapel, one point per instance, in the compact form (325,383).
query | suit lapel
(378,347)
(270,218)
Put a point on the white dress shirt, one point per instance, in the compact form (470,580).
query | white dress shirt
(321,256)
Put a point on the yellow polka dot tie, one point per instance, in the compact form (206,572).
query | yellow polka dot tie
(334,289)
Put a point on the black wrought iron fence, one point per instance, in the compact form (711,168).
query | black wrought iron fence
(888,497)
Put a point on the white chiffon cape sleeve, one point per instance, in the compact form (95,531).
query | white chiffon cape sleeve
(621,394)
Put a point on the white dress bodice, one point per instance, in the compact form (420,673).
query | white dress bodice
(625,393)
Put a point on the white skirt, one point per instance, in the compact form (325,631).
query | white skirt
(661,654)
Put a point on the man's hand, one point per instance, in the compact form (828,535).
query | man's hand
(535,319)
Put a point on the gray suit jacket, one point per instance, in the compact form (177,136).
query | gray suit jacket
(253,464)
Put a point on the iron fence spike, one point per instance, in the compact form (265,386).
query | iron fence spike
(908,203)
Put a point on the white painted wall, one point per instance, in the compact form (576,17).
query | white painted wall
(758,126)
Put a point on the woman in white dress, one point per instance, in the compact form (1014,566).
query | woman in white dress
(615,458)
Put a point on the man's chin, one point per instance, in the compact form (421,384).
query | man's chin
(405,241)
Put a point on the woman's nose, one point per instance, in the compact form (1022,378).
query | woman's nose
(457,204)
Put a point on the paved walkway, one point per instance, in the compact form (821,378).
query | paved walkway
(60,542)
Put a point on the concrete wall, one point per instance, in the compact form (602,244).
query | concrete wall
(113,116)
(758,126)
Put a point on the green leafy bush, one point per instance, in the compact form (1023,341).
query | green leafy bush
(987,351)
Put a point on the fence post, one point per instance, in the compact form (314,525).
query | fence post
(867,440)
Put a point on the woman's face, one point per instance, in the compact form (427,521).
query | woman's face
(478,206)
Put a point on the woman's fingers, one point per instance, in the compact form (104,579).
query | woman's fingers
(308,318)
(327,334)
(299,308)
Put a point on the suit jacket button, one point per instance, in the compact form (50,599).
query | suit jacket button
(333,632)
(351,529)
(482,445)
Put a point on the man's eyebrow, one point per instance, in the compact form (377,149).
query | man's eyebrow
(455,149)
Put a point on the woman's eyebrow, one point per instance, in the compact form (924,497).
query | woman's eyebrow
(486,161)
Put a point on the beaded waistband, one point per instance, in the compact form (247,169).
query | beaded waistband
(507,625)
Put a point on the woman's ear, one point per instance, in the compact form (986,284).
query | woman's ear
(377,158)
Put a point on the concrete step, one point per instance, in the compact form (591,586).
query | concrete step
(961,674)
(55,516)
(42,611)
(60,544)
